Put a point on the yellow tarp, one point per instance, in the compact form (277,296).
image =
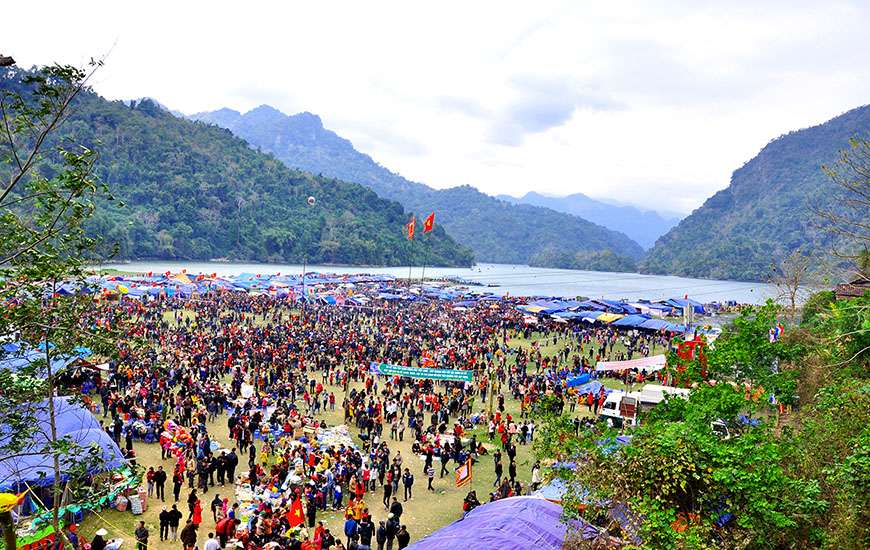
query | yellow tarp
(181,278)
(609,317)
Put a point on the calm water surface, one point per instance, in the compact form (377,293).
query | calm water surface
(516,280)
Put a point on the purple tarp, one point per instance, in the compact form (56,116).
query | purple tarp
(516,523)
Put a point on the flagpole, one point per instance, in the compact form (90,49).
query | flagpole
(412,225)
(427,228)
(423,273)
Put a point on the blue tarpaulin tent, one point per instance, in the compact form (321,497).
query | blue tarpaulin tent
(593,387)
(630,321)
(681,303)
(654,324)
(590,314)
(548,306)
(578,380)
(17,356)
(619,307)
(75,423)
(570,314)
(553,491)
(591,304)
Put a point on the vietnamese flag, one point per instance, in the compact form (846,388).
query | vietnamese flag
(429,223)
(294,516)
(410,228)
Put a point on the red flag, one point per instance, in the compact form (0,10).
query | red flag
(294,516)
(410,228)
(463,474)
(429,223)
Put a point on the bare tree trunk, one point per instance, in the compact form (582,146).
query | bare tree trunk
(52,422)
(9,535)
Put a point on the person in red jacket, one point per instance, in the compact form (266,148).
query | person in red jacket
(226,529)
(196,516)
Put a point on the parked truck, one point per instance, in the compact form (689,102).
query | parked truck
(622,408)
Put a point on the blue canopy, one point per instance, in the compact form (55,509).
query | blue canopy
(630,321)
(570,314)
(593,387)
(698,307)
(619,307)
(654,324)
(610,445)
(578,380)
(75,423)
(590,314)
(516,523)
(549,306)
(17,356)
(553,491)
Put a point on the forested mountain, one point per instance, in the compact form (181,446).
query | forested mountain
(643,226)
(767,211)
(194,191)
(495,230)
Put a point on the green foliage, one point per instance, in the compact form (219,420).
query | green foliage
(495,230)
(846,330)
(794,481)
(815,304)
(48,195)
(187,190)
(769,210)
(744,352)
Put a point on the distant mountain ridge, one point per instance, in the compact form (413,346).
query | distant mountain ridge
(494,229)
(643,226)
(191,191)
(767,211)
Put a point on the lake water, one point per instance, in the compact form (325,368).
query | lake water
(516,280)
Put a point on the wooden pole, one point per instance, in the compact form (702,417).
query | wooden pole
(9,535)
(410,258)
(304,294)
(425,249)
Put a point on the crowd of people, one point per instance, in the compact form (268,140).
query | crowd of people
(271,372)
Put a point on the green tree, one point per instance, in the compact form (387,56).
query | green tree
(46,198)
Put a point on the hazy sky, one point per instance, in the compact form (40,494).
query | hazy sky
(653,103)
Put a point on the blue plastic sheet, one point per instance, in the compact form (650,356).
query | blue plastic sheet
(73,422)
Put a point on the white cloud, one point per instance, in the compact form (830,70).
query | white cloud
(653,103)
